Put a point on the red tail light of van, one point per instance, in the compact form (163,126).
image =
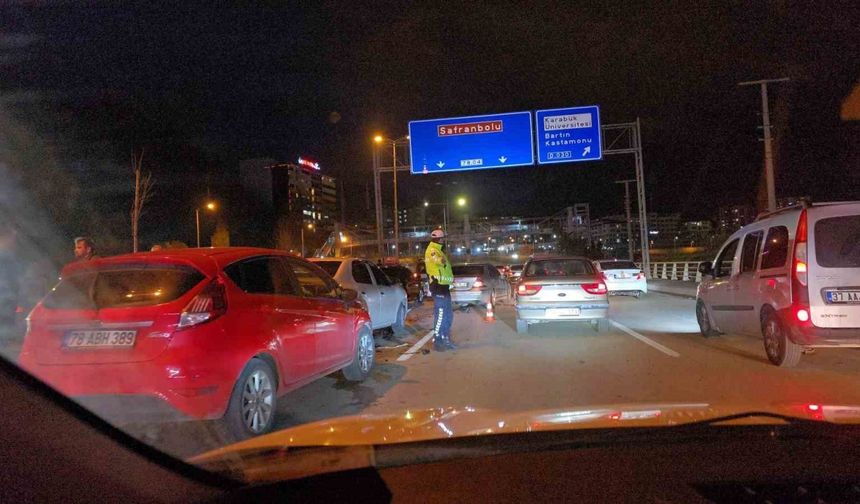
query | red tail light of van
(799,272)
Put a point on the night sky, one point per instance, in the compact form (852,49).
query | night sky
(200,90)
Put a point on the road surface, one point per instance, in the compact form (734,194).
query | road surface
(653,353)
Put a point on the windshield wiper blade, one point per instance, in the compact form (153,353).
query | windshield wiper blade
(788,419)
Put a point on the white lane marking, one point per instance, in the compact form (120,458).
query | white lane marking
(648,341)
(417,346)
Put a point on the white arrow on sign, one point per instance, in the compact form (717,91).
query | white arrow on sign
(440,164)
(502,159)
(586,151)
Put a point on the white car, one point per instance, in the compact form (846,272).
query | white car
(622,277)
(792,277)
(561,289)
(384,298)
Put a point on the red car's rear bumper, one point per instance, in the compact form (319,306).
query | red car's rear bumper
(183,381)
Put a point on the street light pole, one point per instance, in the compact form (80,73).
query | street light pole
(377,195)
(629,219)
(768,148)
(211,206)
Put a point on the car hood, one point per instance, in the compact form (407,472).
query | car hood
(450,422)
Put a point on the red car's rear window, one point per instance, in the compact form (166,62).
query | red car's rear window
(133,285)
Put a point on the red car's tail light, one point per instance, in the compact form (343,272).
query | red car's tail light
(528,290)
(210,304)
(595,288)
(478,283)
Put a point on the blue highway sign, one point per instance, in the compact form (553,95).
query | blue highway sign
(471,143)
(568,135)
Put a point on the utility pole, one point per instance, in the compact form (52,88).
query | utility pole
(629,219)
(466,232)
(396,215)
(768,149)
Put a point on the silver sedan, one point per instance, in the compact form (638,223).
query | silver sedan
(561,289)
(383,297)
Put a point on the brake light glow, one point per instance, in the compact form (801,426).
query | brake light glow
(640,275)
(528,290)
(210,304)
(595,288)
(478,284)
(803,315)
(816,411)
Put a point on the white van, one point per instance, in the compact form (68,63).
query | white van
(792,276)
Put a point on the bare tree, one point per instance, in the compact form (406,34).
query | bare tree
(142,193)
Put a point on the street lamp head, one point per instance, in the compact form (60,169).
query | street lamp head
(461,201)
(426,204)
(211,205)
(310,226)
(378,139)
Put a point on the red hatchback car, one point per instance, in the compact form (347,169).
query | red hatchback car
(199,333)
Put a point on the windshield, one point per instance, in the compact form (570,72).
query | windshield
(558,267)
(179,185)
(122,287)
(612,265)
(468,270)
(329,267)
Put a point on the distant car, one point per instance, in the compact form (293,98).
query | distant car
(384,298)
(792,277)
(561,289)
(478,284)
(409,280)
(622,277)
(195,333)
(516,271)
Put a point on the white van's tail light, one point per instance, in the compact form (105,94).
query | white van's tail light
(800,272)
(478,284)
(800,264)
(210,304)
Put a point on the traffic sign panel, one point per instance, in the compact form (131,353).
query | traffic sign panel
(471,143)
(568,135)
